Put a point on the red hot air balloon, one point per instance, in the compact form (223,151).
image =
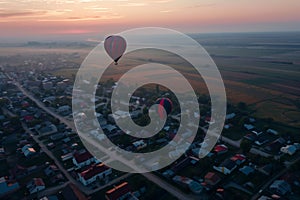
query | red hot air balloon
(115,46)
(167,104)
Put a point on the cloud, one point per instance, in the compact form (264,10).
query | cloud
(167,11)
(162,1)
(204,5)
(25,13)
(134,4)
(89,18)
(97,9)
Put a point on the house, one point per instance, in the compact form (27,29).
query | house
(46,129)
(119,192)
(280,187)
(226,167)
(257,132)
(220,149)
(211,178)
(66,156)
(83,158)
(94,172)
(35,185)
(63,109)
(110,128)
(267,169)
(186,182)
(238,159)
(140,144)
(272,131)
(289,149)
(28,150)
(252,120)
(50,170)
(57,136)
(246,170)
(275,146)
(230,116)
(7,186)
(252,137)
(47,85)
(261,140)
(249,126)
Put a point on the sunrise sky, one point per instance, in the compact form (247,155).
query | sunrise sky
(45,18)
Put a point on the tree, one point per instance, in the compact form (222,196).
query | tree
(3,101)
(242,106)
(246,145)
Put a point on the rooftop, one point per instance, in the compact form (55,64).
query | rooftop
(93,170)
(118,191)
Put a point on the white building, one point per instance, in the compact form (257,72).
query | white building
(95,172)
(289,149)
(140,144)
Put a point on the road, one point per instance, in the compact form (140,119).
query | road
(282,172)
(50,154)
(153,178)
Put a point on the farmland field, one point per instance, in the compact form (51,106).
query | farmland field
(261,69)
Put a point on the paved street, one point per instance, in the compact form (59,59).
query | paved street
(165,185)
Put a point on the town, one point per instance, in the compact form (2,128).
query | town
(43,157)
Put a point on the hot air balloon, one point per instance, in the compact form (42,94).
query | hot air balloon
(115,46)
(167,105)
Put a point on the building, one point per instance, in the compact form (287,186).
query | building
(46,129)
(230,116)
(28,150)
(93,173)
(63,109)
(249,127)
(140,144)
(280,187)
(186,182)
(6,186)
(272,131)
(289,149)
(238,159)
(246,170)
(51,170)
(226,167)
(212,178)
(119,192)
(35,185)
(83,158)
(220,149)
(47,85)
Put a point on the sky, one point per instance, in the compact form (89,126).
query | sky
(88,18)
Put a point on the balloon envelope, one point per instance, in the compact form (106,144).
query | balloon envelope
(167,104)
(115,46)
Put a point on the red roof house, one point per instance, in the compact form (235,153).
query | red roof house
(238,159)
(118,192)
(94,172)
(84,158)
(212,178)
(219,149)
